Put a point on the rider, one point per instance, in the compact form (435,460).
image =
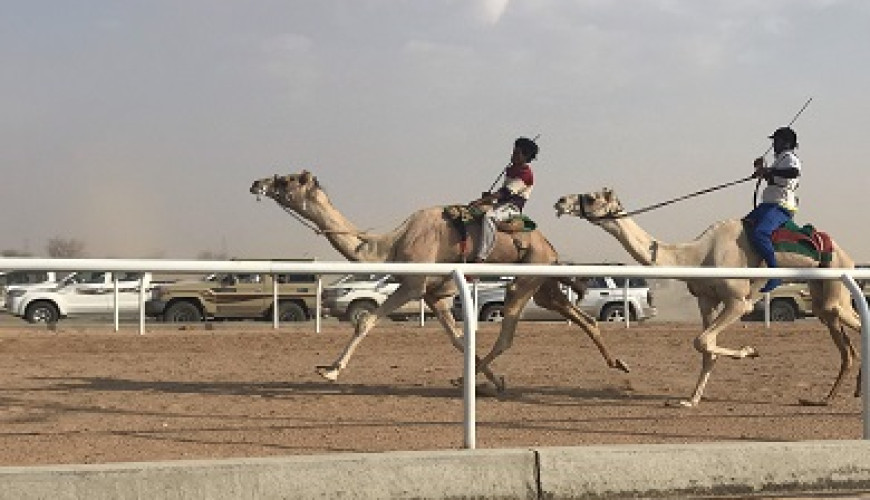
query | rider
(778,200)
(510,199)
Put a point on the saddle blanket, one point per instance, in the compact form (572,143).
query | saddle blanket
(803,240)
(462,215)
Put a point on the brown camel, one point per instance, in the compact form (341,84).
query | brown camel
(724,244)
(426,236)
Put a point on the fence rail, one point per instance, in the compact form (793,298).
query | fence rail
(458,272)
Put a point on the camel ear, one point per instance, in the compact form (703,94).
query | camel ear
(305,177)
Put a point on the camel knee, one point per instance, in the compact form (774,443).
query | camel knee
(703,345)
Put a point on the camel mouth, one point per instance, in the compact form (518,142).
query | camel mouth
(258,189)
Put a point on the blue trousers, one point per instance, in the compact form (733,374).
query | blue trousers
(766,218)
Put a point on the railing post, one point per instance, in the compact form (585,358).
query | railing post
(318,304)
(469,376)
(275,305)
(864,313)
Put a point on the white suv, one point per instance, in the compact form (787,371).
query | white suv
(90,292)
(604,299)
(354,294)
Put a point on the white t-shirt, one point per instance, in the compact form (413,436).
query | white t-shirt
(781,190)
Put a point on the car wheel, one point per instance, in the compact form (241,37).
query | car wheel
(182,312)
(614,312)
(357,309)
(492,312)
(291,311)
(781,310)
(42,312)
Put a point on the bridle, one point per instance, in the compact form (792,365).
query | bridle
(302,220)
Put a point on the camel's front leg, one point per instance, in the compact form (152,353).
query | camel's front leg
(517,295)
(408,290)
(442,308)
(710,351)
(550,296)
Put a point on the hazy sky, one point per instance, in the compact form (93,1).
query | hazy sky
(138,127)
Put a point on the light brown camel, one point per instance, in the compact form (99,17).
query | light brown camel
(724,244)
(426,236)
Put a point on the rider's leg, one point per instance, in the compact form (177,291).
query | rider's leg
(768,217)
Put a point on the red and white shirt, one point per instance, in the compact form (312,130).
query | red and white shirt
(517,187)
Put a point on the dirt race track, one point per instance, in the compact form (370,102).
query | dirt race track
(86,394)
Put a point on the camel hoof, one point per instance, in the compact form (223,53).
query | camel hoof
(751,352)
(809,402)
(328,372)
(622,365)
(501,386)
(679,403)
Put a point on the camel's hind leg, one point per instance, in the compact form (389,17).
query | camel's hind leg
(410,289)
(550,296)
(833,307)
(442,308)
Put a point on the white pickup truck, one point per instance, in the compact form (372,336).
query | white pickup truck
(90,292)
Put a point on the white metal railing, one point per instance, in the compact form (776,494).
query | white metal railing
(457,271)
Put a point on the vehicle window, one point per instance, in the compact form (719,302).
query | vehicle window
(128,276)
(89,278)
(247,278)
(597,283)
(296,278)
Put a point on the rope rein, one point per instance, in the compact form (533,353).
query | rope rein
(315,229)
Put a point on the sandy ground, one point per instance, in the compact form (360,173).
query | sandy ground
(87,394)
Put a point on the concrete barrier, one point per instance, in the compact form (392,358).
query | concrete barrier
(501,474)
(629,471)
(705,469)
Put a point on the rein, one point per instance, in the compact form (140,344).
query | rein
(314,228)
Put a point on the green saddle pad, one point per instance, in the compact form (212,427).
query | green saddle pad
(464,214)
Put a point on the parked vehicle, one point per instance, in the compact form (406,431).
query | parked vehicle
(788,302)
(354,294)
(604,299)
(234,296)
(81,293)
(15,283)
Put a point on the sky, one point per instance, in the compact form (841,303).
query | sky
(138,127)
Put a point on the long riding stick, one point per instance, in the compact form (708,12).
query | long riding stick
(720,186)
(758,183)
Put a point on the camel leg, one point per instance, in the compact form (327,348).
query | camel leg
(848,355)
(550,296)
(410,289)
(710,351)
(442,308)
(517,295)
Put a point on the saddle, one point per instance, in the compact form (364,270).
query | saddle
(461,216)
(804,240)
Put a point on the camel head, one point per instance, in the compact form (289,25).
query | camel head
(594,207)
(291,191)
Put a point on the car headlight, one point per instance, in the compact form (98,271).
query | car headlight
(15,293)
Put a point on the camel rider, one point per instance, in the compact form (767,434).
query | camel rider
(510,199)
(778,200)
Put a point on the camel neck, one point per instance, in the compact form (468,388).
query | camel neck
(646,249)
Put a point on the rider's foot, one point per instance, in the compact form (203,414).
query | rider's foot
(771,284)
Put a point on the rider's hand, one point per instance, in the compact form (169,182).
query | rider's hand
(760,168)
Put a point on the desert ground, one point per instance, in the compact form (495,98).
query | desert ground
(83,393)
